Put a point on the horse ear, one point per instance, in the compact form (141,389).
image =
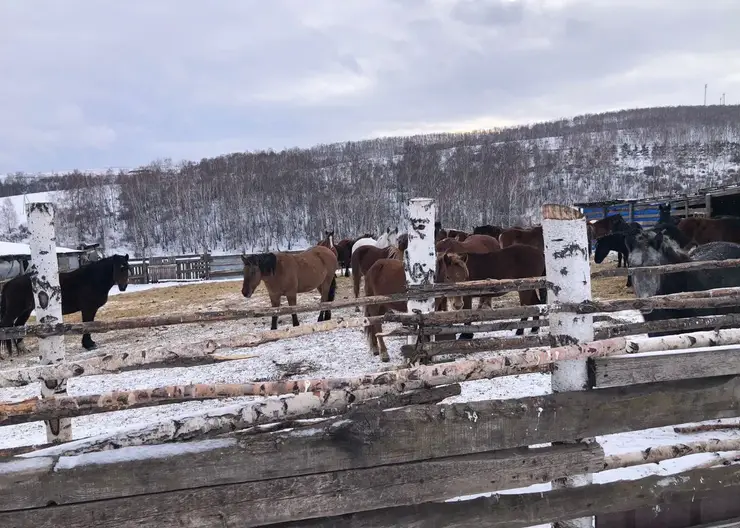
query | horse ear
(244,259)
(126,257)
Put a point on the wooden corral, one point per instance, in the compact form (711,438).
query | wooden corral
(723,201)
(383,448)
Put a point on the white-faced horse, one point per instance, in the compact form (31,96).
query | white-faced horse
(389,238)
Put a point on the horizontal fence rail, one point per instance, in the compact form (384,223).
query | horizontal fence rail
(472,288)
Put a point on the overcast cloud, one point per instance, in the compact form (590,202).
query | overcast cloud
(112,83)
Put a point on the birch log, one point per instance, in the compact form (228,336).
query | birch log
(235,418)
(653,455)
(568,281)
(420,258)
(47,295)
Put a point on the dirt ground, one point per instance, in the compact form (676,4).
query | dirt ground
(186,298)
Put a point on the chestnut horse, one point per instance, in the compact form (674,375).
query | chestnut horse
(704,230)
(518,235)
(364,257)
(288,274)
(512,262)
(472,244)
(387,276)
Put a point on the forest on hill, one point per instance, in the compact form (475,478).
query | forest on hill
(281,200)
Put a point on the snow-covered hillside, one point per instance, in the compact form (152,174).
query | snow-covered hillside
(253,201)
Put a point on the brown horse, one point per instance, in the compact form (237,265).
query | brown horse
(704,230)
(512,262)
(387,276)
(364,257)
(329,242)
(517,235)
(288,274)
(608,225)
(472,244)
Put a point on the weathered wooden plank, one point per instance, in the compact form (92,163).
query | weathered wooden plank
(519,511)
(371,437)
(131,493)
(650,367)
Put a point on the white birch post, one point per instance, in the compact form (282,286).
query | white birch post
(568,281)
(47,296)
(420,257)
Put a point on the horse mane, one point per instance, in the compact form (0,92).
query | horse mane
(394,253)
(266,262)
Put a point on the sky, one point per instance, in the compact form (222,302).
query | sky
(92,84)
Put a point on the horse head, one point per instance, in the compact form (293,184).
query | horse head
(451,267)
(651,247)
(329,237)
(255,266)
(121,270)
(384,239)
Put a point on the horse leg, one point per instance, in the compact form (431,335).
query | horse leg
(467,305)
(20,321)
(629,277)
(275,302)
(328,292)
(292,301)
(528,298)
(88,316)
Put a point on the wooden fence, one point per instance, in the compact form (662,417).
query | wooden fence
(380,449)
(192,267)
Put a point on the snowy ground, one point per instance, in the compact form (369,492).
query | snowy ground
(339,353)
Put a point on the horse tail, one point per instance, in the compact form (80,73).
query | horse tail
(332,289)
(356,276)
(542,294)
(4,310)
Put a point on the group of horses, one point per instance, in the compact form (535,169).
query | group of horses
(674,240)
(489,252)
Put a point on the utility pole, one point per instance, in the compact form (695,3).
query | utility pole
(705,94)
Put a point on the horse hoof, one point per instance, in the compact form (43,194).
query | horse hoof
(385,359)
(90,346)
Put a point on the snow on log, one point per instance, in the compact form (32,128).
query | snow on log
(242,416)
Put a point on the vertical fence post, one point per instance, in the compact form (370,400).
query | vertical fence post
(47,295)
(568,281)
(420,257)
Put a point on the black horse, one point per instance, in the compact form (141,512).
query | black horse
(665,217)
(614,242)
(83,290)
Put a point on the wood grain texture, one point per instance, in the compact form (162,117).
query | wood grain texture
(310,496)
(651,367)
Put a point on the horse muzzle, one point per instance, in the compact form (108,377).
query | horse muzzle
(246,293)
(122,287)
